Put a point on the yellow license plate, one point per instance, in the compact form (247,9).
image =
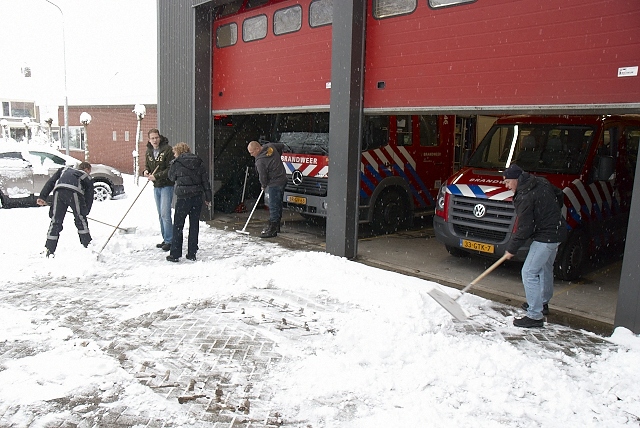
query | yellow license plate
(297,200)
(477,246)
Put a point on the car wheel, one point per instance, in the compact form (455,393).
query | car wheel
(101,191)
(571,256)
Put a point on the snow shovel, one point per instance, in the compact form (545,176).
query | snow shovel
(123,229)
(451,305)
(99,257)
(243,231)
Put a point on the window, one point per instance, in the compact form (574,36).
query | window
(287,20)
(115,135)
(126,135)
(429,131)
(47,159)
(444,3)
(404,131)
(254,28)
(389,8)
(18,109)
(22,109)
(227,35)
(320,13)
(76,137)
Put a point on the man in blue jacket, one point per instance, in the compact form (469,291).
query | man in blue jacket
(539,218)
(72,188)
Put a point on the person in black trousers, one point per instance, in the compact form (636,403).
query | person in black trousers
(72,188)
(191,180)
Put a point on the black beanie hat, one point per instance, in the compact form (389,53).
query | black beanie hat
(514,171)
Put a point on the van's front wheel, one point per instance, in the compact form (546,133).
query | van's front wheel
(389,212)
(571,256)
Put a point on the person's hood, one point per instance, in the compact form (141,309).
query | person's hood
(189,160)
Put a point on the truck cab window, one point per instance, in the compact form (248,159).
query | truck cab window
(404,131)
(428,131)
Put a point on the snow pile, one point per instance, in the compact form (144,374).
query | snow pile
(395,357)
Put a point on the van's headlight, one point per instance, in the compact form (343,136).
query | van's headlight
(116,172)
(440,198)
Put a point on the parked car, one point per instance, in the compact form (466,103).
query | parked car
(24,169)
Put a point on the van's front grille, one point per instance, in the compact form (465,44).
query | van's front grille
(493,227)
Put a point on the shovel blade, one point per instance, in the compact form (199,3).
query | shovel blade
(448,303)
(244,232)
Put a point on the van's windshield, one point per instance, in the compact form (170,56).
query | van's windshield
(550,148)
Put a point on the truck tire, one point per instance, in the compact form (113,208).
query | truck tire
(101,191)
(571,256)
(389,212)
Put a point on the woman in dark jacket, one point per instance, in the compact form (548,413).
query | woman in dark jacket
(191,180)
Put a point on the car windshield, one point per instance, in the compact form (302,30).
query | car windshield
(550,148)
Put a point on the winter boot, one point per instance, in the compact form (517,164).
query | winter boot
(271,231)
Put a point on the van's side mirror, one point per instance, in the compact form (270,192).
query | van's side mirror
(605,167)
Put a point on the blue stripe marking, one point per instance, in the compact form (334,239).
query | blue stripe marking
(414,191)
(424,188)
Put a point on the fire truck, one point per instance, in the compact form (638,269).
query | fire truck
(427,65)
(591,158)
(404,160)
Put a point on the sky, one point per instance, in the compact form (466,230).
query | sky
(392,357)
(110,51)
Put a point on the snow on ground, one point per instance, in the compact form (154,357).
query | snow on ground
(396,358)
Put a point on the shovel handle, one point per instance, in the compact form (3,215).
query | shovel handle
(485,273)
(254,208)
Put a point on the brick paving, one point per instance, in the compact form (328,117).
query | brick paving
(218,358)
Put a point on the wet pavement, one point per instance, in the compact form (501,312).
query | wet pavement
(587,303)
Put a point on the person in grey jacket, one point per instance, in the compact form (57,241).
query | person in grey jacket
(538,206)
(273,179)
(191,179)
(72,188)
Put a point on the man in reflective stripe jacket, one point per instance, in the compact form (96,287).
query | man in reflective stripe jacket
(72,188)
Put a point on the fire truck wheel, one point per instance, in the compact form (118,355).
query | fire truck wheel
(389,212)
(571,256)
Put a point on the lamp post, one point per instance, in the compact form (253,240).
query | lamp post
(66,104)
(49,121)
(26,121)
(85,120)
(5,125)
(140,110)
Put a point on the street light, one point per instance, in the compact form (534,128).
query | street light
(140,110)
(85,120)
(5,128)
(66,104)
(26,121)
(49,121)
